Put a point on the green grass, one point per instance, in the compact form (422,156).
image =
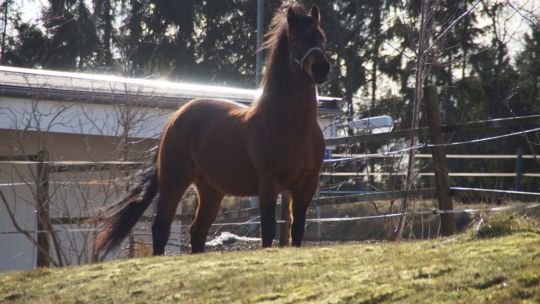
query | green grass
(462,269)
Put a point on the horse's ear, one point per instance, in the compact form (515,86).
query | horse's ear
(292,18)
(315,13)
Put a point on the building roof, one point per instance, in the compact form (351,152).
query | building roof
(108,89)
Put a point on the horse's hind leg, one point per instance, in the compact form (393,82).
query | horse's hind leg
(267,203)
(171,189)
(207,211)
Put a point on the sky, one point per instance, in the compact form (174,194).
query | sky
(30,8)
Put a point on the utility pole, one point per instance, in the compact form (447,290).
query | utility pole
(258,62)
(254,201)
(4,30)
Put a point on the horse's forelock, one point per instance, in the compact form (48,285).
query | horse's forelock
(279,26)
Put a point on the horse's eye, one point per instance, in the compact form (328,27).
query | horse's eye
(318,38)
(313,42)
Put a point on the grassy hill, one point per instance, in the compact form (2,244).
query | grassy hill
(466,269)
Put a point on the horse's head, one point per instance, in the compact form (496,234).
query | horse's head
(306,45)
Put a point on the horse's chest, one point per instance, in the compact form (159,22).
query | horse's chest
(301,161)
(292,154)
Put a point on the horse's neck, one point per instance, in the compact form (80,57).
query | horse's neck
(303,100)
(285,94)
(295,103)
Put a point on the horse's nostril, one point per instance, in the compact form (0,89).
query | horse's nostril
(321,68)
(326,68)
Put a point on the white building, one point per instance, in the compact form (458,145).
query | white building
(83,117)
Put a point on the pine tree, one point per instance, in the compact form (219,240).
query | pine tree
(528,69)
(104,19)
(27,48)
(73,40)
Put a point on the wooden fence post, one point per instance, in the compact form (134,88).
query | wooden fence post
(285,217)
(440,166)
(42,209)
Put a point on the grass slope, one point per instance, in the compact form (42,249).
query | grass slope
(460,269)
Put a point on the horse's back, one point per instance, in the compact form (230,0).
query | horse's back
(198,109)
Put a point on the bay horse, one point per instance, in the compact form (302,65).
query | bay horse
(224,148)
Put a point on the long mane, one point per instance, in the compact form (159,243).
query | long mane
(276,42)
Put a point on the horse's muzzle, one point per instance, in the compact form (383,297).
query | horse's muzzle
(320,71)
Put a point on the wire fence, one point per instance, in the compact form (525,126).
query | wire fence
(255,220)
(425,146)
(331,193)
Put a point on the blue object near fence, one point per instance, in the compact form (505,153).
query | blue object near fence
(327,154)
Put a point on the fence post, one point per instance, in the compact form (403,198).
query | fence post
(519,168)
(440,166)
(319,226)
(253,203)
(42,208)
(285,217)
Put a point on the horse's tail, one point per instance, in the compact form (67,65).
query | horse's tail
(114,228)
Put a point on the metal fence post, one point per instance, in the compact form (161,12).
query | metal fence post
(519,168)
(440,166)
(319,226)
(253,203)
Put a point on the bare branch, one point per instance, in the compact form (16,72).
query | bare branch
(519,12)
(447,29)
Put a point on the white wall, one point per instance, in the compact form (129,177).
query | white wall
(93,119)
(68,127)
(16,251)
(81,118)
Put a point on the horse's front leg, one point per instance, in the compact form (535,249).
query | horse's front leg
(267,205)
(301,198)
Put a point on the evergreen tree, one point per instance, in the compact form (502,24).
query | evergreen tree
(28,47)
(214,42)
(345,23)
(104,19)
(157,37)
(227,45)
(527,99)
(73,41)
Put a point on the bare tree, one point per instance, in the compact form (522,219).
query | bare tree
(75,190)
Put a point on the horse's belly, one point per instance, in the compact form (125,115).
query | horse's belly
(235,182)
(229,173)
(238,181)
